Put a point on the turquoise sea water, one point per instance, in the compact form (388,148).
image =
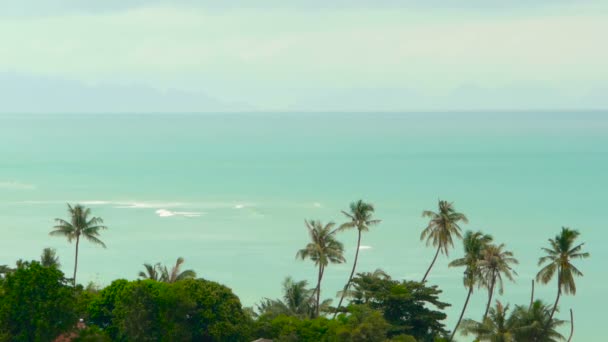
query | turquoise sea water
(229,193)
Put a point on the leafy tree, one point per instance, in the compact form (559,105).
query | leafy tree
(360,217)
(101,308)
(558,261)
(406,306)
(534,323)
(442,226)
(474,244)
(322,250)
(80,225)
(36,305)
(49,258)
(496,263)
(137,312)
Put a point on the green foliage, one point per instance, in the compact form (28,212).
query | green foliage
(101,308)
(162,273)
(36,305)
(405,305)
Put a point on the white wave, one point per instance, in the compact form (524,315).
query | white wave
(95,202)
(239,206)
(13,185)
(317,205)
(145,205)
(169,213)
(365,247)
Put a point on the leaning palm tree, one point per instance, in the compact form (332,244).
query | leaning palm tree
(151,272)
(79,225)
(535,324)
(474,244)
(175,274)
(360,217)
(557,260)
(441,229)
(49,258)
(322,249)
(495,263)
(497,327)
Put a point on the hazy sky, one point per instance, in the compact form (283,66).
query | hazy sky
(186,55)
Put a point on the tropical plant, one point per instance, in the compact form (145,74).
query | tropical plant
(360,217)
(297,301)
(474,244)
(534,323)
(442,227)
(558,261)
(80,225)
(496,327)
(495,263)
(322,249)
(49,258)
(163,274)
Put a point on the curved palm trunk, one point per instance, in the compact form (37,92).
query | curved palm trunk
(319,288)
(532,295)
(76,259)
(351,275)
(490,294)
(466,302)
(571,325)
(559,293)
(432,263)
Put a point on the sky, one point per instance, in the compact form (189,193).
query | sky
(356,55)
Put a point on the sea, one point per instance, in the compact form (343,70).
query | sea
(229,192)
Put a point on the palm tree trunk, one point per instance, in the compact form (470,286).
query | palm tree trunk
(490,293)
(571,325)
(432,263)
(532,295)
(351,275)
(76,259)
(466,302)
(319,288)
(559,292)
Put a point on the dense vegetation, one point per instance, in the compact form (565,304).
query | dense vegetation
(38,303)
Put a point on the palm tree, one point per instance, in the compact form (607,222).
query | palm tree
(322,250)
(80,225)
(474,244)
(360,216)
(494,264)
(297,301)
(497,327)
(151,272)
(161,273)
(175,274)
(442,226)
(558,258)
(535,324)
(49,258)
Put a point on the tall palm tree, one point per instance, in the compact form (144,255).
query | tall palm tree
(474,244)
(49,258)
(79,225)
(322,249)
(175,274)
(557,260)
(497,327)
(442,226)
(360,217)
(495,263)
(535,324)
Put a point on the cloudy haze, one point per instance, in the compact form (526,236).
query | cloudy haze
(190,56)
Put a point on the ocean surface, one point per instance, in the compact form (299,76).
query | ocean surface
(230,193)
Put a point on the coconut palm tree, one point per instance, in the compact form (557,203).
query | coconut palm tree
(497,327)
(535,324)
(557,260)
(360,217)
(49,258)
(297,301)
(474,244)
(151,272)
(79,225)
(441,230)
(176,274)
(322,249)
(495,264)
